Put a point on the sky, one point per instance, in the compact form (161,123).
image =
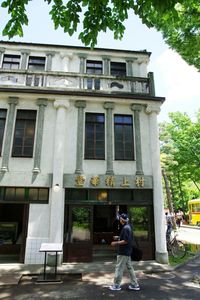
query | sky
(174,78)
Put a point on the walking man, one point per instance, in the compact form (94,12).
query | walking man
(124,249)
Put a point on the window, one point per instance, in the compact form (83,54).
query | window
(93,67)
(123,128)
(2,126)
(94,136)
(36,63)
(11,61)
(118,69)
(24,133)
(24,195)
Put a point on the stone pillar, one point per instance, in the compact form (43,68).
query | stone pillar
(129,71)
(138,148)
(159,216)
(82,58)
(151,84)
(79,146)
(49,60)
(57,194)
(24,60)
(12,101)
(2,50)
(109,106)
(106,65)
(42,103)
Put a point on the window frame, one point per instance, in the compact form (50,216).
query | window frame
(116,69)
(37,65)
(27,122)
(96,68)
(125,140)
(94,139)
(11,60)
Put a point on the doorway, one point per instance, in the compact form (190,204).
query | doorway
(13,231)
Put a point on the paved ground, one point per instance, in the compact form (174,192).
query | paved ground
(182,283)
(91,281)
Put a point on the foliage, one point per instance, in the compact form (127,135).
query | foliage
(180,156)
(178,20)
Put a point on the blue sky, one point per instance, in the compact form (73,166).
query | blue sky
(174,78)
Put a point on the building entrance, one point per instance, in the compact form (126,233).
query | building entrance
(89,230)
(13,229)
(90,222)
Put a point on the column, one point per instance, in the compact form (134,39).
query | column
(129,71)
(12,101)
(82,58)
(159,216)
(24,60)
(151,84)
(42,103)
(106,65)
(138,148)
(79,146)
(49,60)
(109,106)
(57,194)
(2,50)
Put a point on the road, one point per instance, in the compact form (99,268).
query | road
(189,234)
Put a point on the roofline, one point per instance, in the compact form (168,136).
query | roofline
(75,47)
(83,94)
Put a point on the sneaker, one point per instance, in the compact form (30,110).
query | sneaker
(115,287)
(135,287)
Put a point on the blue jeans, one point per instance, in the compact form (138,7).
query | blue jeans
(122,262)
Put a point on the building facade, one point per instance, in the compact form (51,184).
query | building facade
(78,143)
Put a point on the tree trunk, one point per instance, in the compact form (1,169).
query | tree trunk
(169,198)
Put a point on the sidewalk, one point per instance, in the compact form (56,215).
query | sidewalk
(98,266)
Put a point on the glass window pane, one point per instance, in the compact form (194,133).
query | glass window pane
(98,195)
(139,217)
(20,194)
(33,194)
(10,194)
(43,194)
(80,224)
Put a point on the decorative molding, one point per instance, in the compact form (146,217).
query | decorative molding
(137,107)
(42,101)
(150,108)
(13,100)
(80,104)
(109,105)
(62,103)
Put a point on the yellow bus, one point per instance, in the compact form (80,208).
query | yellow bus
(194,211)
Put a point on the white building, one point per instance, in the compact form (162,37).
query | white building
(79,142)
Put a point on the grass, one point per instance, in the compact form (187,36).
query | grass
(191,252)
(177,261)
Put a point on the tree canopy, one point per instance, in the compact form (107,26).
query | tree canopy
(177,20)
(180,156)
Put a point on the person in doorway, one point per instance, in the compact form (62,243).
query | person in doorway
(124,249)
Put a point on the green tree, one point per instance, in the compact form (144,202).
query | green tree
(177,20)
(180,156)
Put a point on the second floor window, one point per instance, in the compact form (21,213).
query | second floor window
(123,129)
(2,126)
(95,136)
(11,61)
(36,63)
(23,141)
(118,69)
(93,67)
